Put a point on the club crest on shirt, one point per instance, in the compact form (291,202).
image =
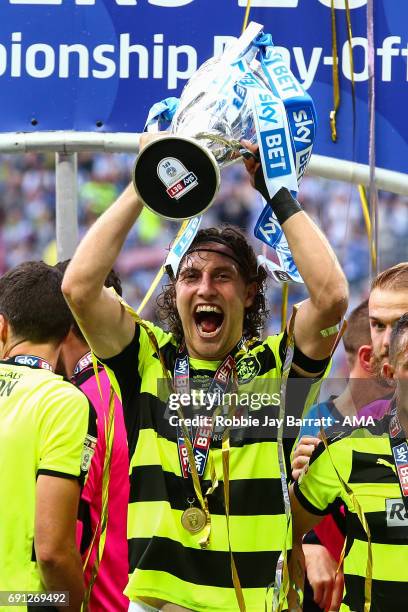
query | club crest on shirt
(247,368)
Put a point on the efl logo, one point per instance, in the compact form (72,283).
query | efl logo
(176,177)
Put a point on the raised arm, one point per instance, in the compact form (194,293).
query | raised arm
(318,266)
(106,326)
(325,282)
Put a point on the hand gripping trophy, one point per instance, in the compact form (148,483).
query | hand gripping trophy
(233,97)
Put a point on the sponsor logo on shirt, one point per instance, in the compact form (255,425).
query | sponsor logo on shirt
(400,453)
(87,452)
(397,516)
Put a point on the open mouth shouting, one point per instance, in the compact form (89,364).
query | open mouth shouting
(208,319)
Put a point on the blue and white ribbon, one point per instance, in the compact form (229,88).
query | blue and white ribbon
(283,123)
(181,245)
(296,134)
(298,104)
(269,231)
(278,162)
(160,115)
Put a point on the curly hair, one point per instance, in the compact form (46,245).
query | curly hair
(255,315)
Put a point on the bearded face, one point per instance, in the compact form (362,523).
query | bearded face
(385,307)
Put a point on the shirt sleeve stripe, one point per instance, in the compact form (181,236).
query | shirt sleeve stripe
(57,474)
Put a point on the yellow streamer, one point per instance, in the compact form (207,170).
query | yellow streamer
(159,275)
(335,69)
(335,72)
(151,290)
(367,220)
(246,18)
(225,464)
(361,516)
(284,305)
(102,524)
(280,593)
(353,84)
(350,38)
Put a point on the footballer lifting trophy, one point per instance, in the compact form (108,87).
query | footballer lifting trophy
(228,99)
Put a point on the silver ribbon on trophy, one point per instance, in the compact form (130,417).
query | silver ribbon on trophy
(228,99)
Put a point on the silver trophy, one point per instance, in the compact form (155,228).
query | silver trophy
(228,99)
(178,175)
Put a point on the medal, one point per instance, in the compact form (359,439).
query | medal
(193,519)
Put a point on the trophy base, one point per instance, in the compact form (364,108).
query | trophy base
(176,177)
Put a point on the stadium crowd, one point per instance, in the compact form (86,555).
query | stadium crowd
(27,221)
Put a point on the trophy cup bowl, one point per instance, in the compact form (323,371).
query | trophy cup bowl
(178,175)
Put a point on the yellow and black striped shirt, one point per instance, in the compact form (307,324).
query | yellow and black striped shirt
(364,461)
(166,561)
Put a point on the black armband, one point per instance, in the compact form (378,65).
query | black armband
(312,366)
(283,204)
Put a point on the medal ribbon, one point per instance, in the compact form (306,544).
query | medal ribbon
(109,426)
(281,587)
(219,384)
(225,469)
(194,475)
(203,435)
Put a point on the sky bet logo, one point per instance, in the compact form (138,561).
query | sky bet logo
(276,153)
(400,453)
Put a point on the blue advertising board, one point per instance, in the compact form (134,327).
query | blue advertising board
(98,65)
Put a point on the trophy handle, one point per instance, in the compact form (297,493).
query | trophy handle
(176,177)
